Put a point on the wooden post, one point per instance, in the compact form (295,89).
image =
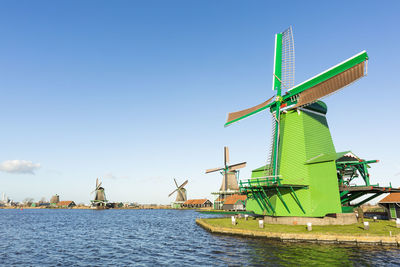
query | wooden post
(233,220)
(261,223)
(366,225)
(360,214)
(309,226)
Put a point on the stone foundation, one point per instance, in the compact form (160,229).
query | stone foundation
(330,219)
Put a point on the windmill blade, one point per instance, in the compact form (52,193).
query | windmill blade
(237,166)
(94,190)
(288,59)
(97,186)
(239,115)
(226,156)
(176,183)
(182,185)
(214,170)
(173,192)
(329,81)
(225,181)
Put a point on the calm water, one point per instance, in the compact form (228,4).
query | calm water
(155,237)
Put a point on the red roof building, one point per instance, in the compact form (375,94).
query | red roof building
(391,203)
(391,198)
(235,202)
(66,204)
(197,203)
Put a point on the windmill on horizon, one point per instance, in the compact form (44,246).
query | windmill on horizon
(230,178)
(100,200)
(181,195)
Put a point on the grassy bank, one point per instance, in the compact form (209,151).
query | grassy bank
(208,211)
(379,228)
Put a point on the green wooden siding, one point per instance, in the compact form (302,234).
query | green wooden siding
(304,136)
(392,210)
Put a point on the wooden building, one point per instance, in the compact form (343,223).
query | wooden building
(197,203)
(235,202)
(391,203)
(66,204)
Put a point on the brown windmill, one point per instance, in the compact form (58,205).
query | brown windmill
(229,179)
(100,200)
(181,196)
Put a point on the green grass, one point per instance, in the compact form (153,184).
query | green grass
(222,212)
(375,210)
(379,228)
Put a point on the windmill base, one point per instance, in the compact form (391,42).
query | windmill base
(330,219)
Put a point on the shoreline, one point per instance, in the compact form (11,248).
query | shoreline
(303,237)
(82,208)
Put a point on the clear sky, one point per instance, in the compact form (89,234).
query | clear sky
(137,92)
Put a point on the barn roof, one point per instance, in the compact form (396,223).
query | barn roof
(391,198)
(234,198)
(65,203)
(195,201)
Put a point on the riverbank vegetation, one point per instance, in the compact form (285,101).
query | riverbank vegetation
(378,228)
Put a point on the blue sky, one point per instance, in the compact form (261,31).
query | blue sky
(137,92)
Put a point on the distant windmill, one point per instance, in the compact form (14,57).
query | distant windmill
(100,199)
(55,199)
(229,173)
(181,195)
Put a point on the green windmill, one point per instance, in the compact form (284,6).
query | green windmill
(301,177)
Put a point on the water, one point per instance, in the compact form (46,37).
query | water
(155,237)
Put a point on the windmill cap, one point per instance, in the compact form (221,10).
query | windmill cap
(318,106)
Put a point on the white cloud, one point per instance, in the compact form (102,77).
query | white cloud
(19,166)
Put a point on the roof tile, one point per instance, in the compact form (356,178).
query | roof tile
(234,198)
(64,203)
(391,198)
(195,201)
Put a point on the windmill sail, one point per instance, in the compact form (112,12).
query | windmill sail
(288,59)
(329,81)
(226,155)
(172,192)
(238,115)
(237,166)
(215,169)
